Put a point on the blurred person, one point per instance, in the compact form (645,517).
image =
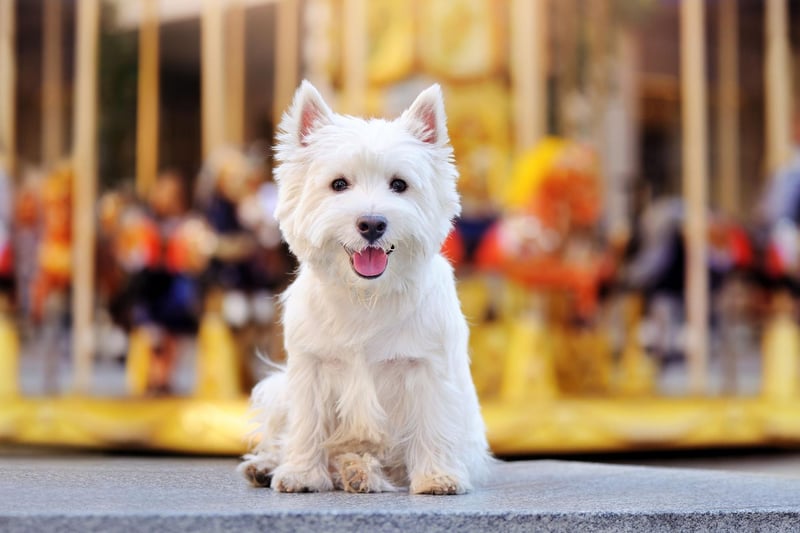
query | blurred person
(273,262)
(54,259)
(249,262)
(779,216)
(27,231)
(656,266)
(157,245)
(224,181)
(113,299)
(50,284)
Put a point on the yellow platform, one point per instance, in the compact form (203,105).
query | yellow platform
(555,426)
(173,424)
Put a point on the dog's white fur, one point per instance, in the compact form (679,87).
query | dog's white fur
(376,393)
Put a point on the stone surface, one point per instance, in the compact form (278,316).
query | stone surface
(114,493)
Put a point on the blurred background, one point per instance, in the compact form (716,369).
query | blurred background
(628,255)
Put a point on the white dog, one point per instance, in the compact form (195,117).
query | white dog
(376,393)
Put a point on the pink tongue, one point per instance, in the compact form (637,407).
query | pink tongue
(370,262)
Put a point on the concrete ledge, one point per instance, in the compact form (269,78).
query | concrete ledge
(80,493)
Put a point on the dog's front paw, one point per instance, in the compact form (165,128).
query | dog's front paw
(257,477)
(360,473)
(354,475)
(257,469)
(438,484)
(287,479)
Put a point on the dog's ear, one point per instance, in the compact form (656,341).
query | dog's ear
(426,118)
(309,111)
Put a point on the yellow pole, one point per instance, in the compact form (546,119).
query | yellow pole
(695,169)
(287,43)
(528,71)
(147,108)
(9,342)
(354,31)
(235,76)
(52,95)
(777,74)
(728,112)
(568,16)
(84,191)
(8,84)
(9,350)
(213,76)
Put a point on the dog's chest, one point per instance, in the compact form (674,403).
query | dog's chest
(386,346)
(381,333)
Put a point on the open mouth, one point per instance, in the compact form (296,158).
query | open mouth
(370,262)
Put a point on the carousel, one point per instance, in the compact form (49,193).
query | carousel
(568,347)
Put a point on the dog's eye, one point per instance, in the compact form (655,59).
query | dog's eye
(398,185)
(339,184)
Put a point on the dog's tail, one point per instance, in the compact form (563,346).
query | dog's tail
(268,408)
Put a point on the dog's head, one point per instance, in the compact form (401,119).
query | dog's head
(366,201)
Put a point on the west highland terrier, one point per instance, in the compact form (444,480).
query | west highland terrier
(376,393)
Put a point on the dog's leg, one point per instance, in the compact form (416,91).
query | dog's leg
(435,425)
(304,467)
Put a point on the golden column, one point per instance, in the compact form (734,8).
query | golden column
(287,43)
(52,94)
(529,71)
(354,49)
(8,83)
(695,171)
(728,111)
(84,191)
(777,74)
(147,99)
(212,75)
(235,34)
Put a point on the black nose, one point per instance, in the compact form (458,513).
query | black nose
(371,227)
